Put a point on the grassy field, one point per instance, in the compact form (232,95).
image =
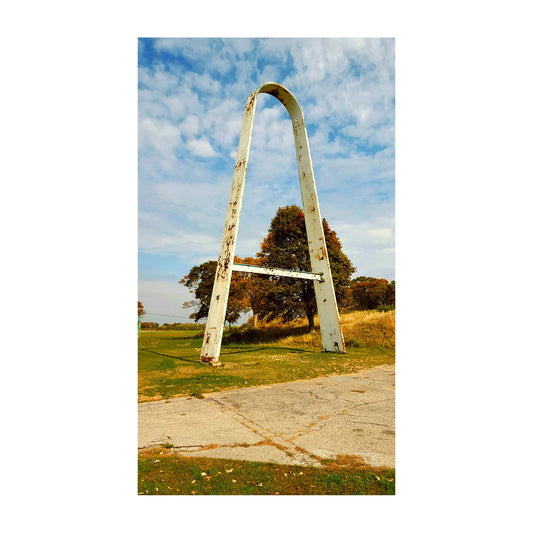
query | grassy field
(168,367)
(168,363)
(163,472)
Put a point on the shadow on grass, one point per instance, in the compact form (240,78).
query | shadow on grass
(176,357)
(193,335)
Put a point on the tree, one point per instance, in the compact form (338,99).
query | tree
(286,247)
(254,287)
(140,309)
(390,297)
(200,281)
(369,293)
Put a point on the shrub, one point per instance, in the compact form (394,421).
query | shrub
(149,325)
(384,308)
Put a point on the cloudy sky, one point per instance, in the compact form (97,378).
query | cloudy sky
(192,94)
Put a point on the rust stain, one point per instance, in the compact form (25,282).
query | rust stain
(213,361)
(250,102)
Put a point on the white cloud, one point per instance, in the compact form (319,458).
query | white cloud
(195,198)
(159,134)
(201,147)
(381,235)
(190,126)
(191,48)
(187,119)
(177,242)
(369,244)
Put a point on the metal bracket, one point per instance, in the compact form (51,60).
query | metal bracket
(240,267)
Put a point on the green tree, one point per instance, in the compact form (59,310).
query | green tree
(200,281)
(286,247)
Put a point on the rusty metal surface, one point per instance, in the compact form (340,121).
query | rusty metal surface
(332,338)
(219,298)
(239,267)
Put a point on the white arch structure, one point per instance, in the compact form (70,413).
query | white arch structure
(332,338)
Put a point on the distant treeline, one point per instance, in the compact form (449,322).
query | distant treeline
(175,326)
(369,293)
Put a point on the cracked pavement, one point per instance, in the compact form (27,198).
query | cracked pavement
(295,423)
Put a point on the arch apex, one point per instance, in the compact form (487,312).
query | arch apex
(284,96)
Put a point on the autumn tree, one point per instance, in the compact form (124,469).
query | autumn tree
(140,309)
(253,287)
(390,297)
(286,247)
(200,281)
(369,293)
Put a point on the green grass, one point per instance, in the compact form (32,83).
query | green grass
(162,471)
(168,364)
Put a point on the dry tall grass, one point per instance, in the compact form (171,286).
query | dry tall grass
(360,328)
(369,328)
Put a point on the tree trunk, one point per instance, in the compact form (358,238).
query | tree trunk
(256,320)
(311,320)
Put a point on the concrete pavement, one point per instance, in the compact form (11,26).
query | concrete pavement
(296,423)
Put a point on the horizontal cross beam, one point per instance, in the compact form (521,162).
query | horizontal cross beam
(239,267)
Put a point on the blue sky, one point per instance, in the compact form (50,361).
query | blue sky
(191,102)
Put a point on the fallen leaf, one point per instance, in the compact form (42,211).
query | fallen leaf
(194,492)
(157,461)
(203,474)
(229,471)
(234,481)
(259,484)
(377,478)
(389,479)
(193,481)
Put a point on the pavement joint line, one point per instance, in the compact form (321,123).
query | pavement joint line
(292,427)
(285,445)
(250,424)
(370,403)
